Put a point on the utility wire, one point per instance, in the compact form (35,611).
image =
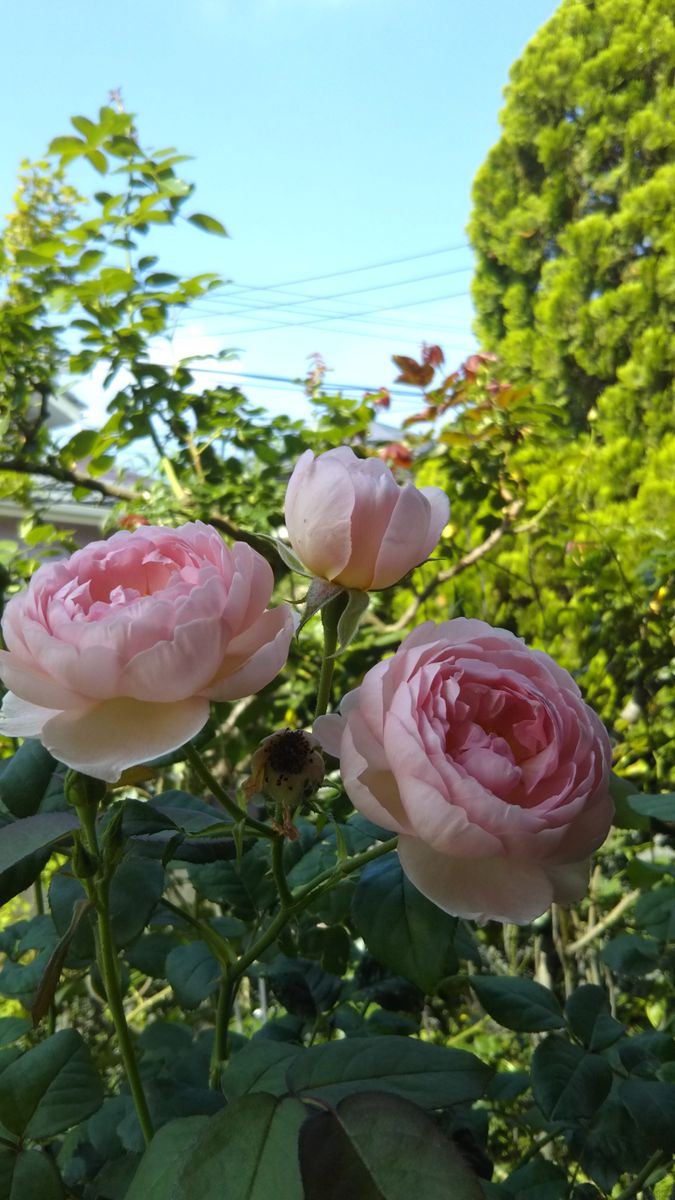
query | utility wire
(327,385)
(374,287)
(390,262)
(364,313)
(340,315)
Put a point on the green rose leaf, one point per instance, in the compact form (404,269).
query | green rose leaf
(587,1011)
(29,1174)
(519,1004)
(651,1104)
(50,1088)
(568,1083)
(22,838)
(660,807)
(193,973)
(380,1147)
(401,928)
(247,1152)
(163,1157)
(24,778)
(260,1066)
(431,1076)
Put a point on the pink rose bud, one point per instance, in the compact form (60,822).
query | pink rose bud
(482,756)
(114,655)
(349,521)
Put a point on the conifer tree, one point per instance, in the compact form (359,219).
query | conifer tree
(574,218)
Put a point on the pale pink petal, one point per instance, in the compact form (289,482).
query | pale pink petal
(104,740)
(31,684)
(403,545)
(329,731)
(20,718)
(251,587)
(373,792)
(179,667)
(375,497)
(429,810)
(260,655)
(497,889)
(439,515)
(318,512)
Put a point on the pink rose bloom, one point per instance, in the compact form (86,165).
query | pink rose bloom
(481,755)
(351,523)
(114,655)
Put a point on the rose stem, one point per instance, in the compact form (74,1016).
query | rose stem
(330,615)
(296,902)
(238,814)
(98,889)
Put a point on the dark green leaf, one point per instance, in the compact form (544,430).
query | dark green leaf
(303,987)
(29,1175)
(655,912)
(247,1152)
(65,892)
(135,890)
(24,778)
(568,1083)
(380,1147)
(401,928)
(50,1088)
(22,838)
(537,1180)
(660,807)
(651,1104)
(520,1004)
(587,1011)
(630,954)
(193,973)
(12,1028)
(623,794)
(431,1076)
(157,1168)
(260,1066)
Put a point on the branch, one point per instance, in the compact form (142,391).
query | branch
(54,470)
(600,927)
(114,491)
(467,560)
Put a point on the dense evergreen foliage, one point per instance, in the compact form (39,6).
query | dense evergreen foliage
(574,217)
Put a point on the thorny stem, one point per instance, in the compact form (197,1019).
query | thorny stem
(291,902)
(197,763)
(106,954)
(330,615)
(635,1187)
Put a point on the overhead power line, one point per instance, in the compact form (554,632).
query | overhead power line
(373,287)
(366,312)
(330,384)
(389,262)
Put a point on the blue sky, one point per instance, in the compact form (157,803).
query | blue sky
(327,135)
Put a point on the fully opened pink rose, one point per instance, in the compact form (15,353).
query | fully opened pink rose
(351,523)
(114,655)
(481,755)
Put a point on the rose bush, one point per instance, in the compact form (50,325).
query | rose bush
(114,655)
(481,754)
(349,521)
